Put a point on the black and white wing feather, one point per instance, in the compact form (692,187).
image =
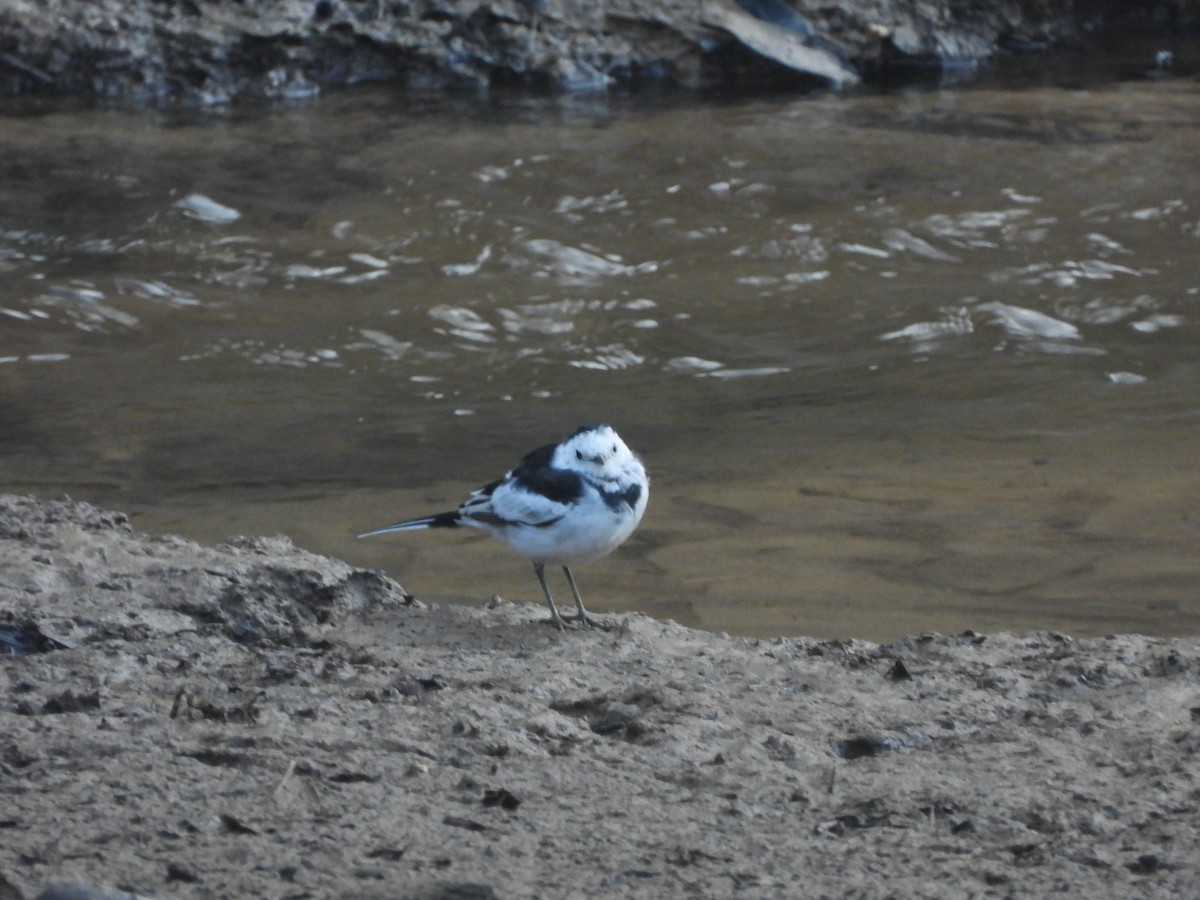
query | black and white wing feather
(532,494)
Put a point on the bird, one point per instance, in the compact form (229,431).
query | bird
(563,504)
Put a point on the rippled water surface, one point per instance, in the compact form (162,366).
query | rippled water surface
(924,360)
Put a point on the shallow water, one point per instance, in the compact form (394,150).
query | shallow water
(921,360)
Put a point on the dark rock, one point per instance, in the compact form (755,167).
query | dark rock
(69,702)
(461,822)
(464,891)
(502,798)
(18,639)
(1148,864)
(864,745)
(177,871)
(899,671)
(213,51)
(78,890)
(391,854)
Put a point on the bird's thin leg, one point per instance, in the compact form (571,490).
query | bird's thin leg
(583,616)
(539,571)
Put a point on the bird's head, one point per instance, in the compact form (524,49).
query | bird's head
(594,450)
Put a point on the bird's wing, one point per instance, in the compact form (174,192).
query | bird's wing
(515,500)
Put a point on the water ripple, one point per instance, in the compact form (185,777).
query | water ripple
(157,291)
(608,358)
(1066,274)
(565,262)
(1018,322)
(464,323)
(543,318)
(1022,327)
(205,209)
(85,306)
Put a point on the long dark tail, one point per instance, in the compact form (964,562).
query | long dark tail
(441,520)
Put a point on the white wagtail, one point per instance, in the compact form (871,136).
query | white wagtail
(564,504)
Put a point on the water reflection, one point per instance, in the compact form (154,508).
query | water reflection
(897,362)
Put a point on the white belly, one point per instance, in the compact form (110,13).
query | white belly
(586,533)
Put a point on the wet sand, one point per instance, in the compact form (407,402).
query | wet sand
(248,719)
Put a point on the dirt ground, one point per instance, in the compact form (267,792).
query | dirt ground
(251,720)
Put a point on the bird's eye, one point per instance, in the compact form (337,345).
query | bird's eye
(614,448)
(579,454)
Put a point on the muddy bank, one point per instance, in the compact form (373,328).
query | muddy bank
(211,51)
(252,720)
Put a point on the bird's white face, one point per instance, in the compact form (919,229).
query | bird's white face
(598,453)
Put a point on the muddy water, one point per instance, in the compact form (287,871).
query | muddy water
(924,360)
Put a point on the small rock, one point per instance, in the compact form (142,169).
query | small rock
(1148,864)
(502,798)
(79,890)
(177,871)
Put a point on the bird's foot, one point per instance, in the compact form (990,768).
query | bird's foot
(575,622)
(586,621)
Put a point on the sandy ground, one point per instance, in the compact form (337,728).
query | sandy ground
(251,720)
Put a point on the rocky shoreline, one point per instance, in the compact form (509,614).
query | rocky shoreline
(249,719)
(214,51)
